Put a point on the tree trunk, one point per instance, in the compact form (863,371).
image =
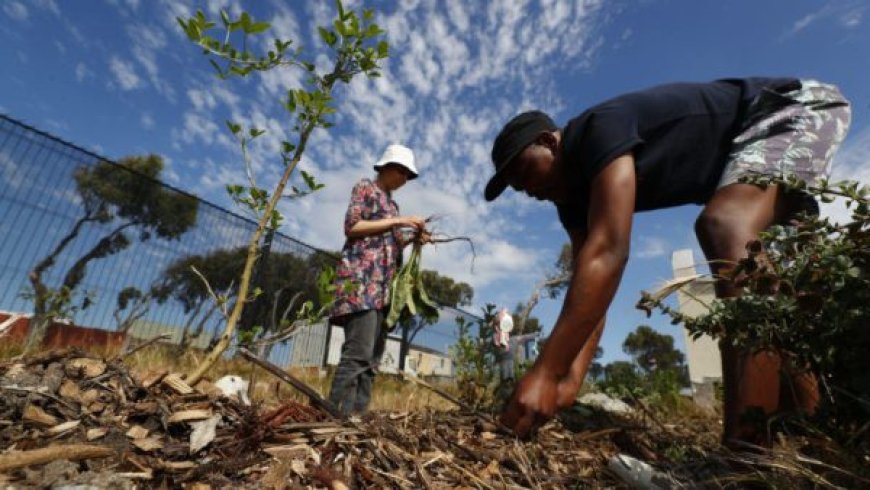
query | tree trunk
(39,323)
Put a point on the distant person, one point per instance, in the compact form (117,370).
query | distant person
(666,146)
(502,325)
(376,234)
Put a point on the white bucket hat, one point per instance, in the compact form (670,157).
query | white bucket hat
(400,155)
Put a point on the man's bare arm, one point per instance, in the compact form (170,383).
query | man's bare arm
(598,265)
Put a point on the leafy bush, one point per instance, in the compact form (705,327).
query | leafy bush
(806,292)
(475,361)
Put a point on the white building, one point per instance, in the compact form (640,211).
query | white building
(704,359)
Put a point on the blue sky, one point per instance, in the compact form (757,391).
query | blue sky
(117,76)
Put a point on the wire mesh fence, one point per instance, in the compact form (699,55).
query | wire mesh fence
(106,245)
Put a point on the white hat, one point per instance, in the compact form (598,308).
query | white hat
(400,155)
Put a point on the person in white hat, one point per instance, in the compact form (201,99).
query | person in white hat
(376,234)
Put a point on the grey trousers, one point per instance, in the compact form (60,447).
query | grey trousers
(361,352)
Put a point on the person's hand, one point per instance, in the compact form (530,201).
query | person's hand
(425,237)
(417,222)
(536,399)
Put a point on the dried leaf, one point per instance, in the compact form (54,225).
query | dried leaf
(203,433)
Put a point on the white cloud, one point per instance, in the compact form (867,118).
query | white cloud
(146,121)
(651,247)
(197,129)
(847,13)
(147,42)
(851,163)
(83,72)
(852,18)
(124,74)
(15,10)
(49,5)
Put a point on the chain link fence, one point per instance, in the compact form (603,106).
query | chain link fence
(103,245)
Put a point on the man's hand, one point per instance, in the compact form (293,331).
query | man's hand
(537,398)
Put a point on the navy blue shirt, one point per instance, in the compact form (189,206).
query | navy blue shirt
(680,135)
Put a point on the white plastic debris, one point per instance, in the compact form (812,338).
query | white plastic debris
(638,474)
(231,385)
(604,402)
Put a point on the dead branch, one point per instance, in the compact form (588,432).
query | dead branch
(314,397)
(70,452)
(143,345)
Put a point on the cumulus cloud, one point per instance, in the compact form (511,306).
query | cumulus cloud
(124,73)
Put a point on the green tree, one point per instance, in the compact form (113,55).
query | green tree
(356,46)
(474,359)
(446,292)
(621,376)
(596,369)
(288,280)
(128,198)
(652,351)
(531,324)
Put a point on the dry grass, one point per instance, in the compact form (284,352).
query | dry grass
(389,392)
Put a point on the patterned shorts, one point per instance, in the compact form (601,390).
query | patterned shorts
(794,132)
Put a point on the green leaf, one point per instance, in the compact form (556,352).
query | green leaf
(340,28)
(327,36)
(245,22)
(383,49)
(233,127)
(259,27)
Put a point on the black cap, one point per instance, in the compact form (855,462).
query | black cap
(514,137)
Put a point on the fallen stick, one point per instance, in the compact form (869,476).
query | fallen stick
(458,402)
(71,452)
(36,391)
(314,397)
(143,345)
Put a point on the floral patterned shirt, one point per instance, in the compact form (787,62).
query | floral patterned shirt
(368,264)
